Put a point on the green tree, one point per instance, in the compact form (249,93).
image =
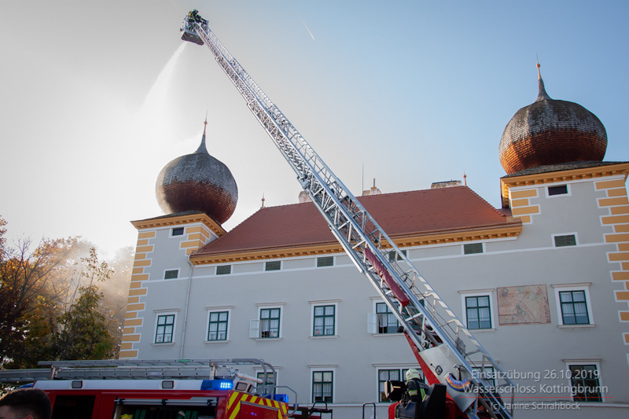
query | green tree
(82,330)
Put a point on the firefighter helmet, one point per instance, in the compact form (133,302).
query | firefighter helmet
(413,373)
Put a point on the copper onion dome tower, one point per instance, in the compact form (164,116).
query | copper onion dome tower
(550,132)
(197,182)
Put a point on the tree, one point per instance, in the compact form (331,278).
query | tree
(24,277)
(82,330)
(59,301)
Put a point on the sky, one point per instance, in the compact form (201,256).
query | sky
(98,96)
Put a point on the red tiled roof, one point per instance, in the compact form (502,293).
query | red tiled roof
(399,214)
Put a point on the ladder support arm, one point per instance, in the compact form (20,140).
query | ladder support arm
(373,252)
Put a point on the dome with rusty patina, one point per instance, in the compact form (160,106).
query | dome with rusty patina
(197,182)
(550,132)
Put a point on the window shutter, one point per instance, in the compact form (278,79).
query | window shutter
(372,323)
(254,329)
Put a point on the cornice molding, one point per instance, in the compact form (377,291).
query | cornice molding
(507,183)
(510,229)
(270,253)
(170,220)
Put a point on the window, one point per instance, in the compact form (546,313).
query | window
(584,380)
(386,375)
(268,378)
(472,248)
(325,261)
(557,190)
(275,265)
(270,322)
(322,386)
(387,322)
(478,312)
(393,256)
(171,274)
(324,320)
(176,231)
(223,270)
(567,240)
(217,325)
(165,328)
(573,307)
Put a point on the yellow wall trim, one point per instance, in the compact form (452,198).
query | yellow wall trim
(194,243)
(133,322)
(135,307)
(615,238)
(616,192)
(617,257)
(533,209)
(146,235)
(609,202)
(139,277)
(620,276)
(619,210)
(609,184)
(142,262)
(530,193)
(127,354)
(144,249)
(135,285)
(622,295)
(131,338)
(615,219)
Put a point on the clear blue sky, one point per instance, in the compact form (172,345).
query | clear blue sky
(98,96)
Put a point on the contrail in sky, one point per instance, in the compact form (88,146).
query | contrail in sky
(308,29)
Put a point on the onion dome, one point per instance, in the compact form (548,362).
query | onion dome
(551,132)
(197,182)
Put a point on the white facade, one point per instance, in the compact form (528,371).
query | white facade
(318,326)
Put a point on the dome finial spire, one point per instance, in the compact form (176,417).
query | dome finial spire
(202,148)
(541,95)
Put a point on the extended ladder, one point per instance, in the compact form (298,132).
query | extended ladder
(446,350)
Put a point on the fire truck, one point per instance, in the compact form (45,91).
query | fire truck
(453,361)
(163,389)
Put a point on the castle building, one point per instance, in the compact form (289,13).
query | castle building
(542,282)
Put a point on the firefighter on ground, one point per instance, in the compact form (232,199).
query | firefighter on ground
(416,388)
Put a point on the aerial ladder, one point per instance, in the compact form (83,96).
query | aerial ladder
(448,354)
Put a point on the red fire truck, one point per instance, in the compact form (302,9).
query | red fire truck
(162,389)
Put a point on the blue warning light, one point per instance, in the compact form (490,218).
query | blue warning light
(217,385)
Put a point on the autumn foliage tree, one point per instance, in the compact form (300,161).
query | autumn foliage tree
(24,282)
(52,305)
